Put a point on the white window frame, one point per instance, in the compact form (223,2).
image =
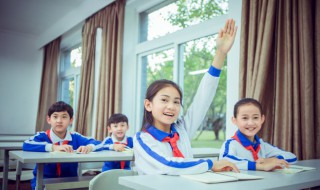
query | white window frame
(133,51)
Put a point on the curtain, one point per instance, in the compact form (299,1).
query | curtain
(49,83)
(111,20)
(109,91)
(279,66)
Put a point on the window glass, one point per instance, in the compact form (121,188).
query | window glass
(172,16)
(197,58)
(69,76)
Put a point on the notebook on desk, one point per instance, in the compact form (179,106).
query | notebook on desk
(220,177)
(294,169)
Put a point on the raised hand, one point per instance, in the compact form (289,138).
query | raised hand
(226,36)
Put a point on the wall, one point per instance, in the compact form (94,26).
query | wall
(20,74)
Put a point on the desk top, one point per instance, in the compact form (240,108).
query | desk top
(53,157)
(271,180)
(49,157)
(11,145)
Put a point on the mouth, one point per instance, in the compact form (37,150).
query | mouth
(250,128)
(169,114)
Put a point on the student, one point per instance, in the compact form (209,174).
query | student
(163,145)
(58,138)
(118,141)
(245,148)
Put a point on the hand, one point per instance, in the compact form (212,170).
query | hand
(224,166)
(84,149)
(62,148)
(270,164)
(119,147)
(226,36)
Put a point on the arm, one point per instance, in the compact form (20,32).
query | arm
(86,144)
(154,157)
(37,143)
(231,149)
(208,86)
(273,151)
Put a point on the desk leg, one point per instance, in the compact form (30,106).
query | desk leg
(5,170)
(39,185)
(18,174)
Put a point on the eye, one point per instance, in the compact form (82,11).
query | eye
(164,100)
(244,118)
(56,117)
(177,102)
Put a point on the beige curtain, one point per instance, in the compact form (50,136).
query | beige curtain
(109,95)
(279,66)
(49,83)
(111,20)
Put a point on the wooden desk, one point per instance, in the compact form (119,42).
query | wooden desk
(41,158)
(271,180)
(6,147)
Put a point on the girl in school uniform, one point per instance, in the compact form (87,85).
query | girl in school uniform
(163,144)
(245,148)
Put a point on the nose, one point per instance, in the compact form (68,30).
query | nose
(171,106)
(250,122)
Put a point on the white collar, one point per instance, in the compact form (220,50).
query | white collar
(114,139)
(55,138)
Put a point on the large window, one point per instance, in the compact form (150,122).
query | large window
(69,76)
(175,43)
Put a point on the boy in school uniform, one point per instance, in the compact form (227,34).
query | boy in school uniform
(117,141)
(245,148)
(58,138)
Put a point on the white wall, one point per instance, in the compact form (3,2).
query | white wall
(20,76)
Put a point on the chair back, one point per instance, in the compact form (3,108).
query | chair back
(110,180)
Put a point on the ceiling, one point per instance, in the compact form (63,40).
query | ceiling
(33,17)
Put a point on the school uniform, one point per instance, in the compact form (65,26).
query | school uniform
(244,153)
(154,155)
(43,142)
(107,144)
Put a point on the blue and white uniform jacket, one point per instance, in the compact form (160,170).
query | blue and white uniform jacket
(107,144)
(243,152)
(42,143)
(155,157)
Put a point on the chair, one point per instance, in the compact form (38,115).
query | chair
(110,180)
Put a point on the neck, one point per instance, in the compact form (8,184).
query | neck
(60,135)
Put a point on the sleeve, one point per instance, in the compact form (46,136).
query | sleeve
(273,151)
(228,152)
(37,143)
(150,158)
(86,141)
(106,144)
(201,101)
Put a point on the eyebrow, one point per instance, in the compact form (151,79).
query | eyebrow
(169,96)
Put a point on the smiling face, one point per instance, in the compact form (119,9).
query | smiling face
(118,130)
(165,107)
(249,120)
(59,122)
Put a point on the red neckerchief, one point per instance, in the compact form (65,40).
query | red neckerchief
(57,143)
(250,148)
(173,142)
(122,163)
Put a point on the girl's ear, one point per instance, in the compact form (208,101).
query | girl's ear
(234,120)
(147,105)
(262,118)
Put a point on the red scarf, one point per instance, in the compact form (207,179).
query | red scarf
(250,148)
(122,163)
(57,143)
(173,142)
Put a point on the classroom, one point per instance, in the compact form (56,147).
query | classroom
(131,43)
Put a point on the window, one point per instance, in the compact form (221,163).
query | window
(69,76)
(176,41)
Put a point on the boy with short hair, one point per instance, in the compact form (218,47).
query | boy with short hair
(58,138)
(118,140)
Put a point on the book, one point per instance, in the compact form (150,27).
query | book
(294,169)
(220,177)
